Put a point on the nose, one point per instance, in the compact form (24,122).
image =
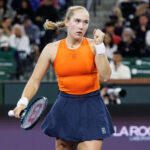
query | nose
(81,25)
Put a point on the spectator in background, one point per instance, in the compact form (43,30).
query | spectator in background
(118,20)
(118,13)
(4,43)
(109,44)
(148,38)
(15,4)
(140,32)
(6,10)
(46,11)
(119,71)
(128,46)
(7,25)
(62,7)
(20,40)
(10,53)
(33,32)
(148,43)
(118,28)
(110,28)
(140,10)
(1,31)
(24,9)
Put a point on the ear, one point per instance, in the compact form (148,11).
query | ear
(66,22)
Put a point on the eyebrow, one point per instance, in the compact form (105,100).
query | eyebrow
(81,19)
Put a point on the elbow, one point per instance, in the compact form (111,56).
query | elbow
(106,76)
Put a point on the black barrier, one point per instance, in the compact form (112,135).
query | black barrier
(13,91)
(1,92)
(136,93)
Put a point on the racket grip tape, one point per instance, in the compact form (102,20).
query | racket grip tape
(11,113)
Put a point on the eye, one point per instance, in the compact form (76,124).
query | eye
(77,20)
(86,22)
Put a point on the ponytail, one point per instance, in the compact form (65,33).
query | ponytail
(49,25)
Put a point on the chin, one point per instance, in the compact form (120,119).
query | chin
(78,38)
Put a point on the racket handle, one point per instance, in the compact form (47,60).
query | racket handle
(11,113)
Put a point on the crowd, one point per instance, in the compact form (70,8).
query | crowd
(21,30)
(127,34)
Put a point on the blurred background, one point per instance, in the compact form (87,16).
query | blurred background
(127,40)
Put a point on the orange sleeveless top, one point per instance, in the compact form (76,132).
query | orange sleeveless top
(75,69)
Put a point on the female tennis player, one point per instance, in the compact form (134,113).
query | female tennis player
(78,119)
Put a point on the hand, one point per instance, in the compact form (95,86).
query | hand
(98,36)
(17,110)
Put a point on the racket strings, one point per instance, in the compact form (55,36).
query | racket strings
(33,113)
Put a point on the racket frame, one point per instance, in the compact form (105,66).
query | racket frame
(26,110)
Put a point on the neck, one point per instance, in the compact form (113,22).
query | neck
(106,44)
(143,27)
(129,41)
(117,64)
(73,43)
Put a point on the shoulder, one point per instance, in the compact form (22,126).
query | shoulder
(125,67)
(25,37)
(34,26)
(51,49)
(91,43)
(51,46)
(12,36)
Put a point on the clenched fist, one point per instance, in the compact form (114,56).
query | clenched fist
(98,36)
(18,110)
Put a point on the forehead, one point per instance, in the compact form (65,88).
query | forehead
(81,14)
(17,28)
(117,55)
(125,32)
(143,17)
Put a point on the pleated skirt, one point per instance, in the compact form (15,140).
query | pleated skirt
(78,118)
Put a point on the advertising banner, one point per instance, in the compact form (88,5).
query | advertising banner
(131,133)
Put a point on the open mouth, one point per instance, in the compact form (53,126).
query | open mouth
(79,33)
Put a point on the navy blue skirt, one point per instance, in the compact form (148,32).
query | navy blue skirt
(78,118)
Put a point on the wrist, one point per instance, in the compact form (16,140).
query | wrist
(100,49)
(23,100)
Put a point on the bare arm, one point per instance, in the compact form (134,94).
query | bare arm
(103,67)
(101,61)
(36,77)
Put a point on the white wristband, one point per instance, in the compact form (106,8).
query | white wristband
(100,49)
(23,100)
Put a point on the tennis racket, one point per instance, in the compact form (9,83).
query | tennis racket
(32,113)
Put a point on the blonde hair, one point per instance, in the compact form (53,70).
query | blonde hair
(118,12)
(49,25)
(20,27)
